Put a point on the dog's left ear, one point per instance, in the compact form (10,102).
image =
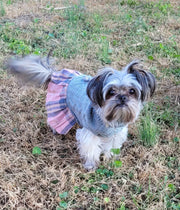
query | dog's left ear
(145,79)
(95,87)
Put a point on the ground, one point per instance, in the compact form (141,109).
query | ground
(86,36)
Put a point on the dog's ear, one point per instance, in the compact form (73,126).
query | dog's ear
(95,87)
(145,79)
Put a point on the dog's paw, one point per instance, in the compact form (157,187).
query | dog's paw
(90,166)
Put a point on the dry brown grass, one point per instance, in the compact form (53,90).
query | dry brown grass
(34,181)
(26,180)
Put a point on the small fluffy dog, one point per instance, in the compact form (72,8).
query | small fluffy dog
(103,105)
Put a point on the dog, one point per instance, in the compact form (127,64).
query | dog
(103,105)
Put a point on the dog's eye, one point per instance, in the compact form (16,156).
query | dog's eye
(111,92)
(131,91)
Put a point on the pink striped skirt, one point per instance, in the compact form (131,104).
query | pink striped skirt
(59,117)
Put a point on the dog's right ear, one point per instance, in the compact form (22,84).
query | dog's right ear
(95,87)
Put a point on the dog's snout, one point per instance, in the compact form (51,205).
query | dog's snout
(123,98)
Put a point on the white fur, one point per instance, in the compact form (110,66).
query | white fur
(91,146)
(31,69)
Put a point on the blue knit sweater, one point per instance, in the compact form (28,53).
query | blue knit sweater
(84,110)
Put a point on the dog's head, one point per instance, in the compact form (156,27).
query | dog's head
(119,95)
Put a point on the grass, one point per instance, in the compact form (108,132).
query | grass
(148,129)
(40,170)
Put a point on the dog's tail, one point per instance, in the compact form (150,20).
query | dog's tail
(31,69)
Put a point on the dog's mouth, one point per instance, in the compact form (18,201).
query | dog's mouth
(121,105)
(117,112)
(121,113)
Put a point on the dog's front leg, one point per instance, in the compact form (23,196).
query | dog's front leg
(114,142)
(90,148)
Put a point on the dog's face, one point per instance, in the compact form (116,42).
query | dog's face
(119,95)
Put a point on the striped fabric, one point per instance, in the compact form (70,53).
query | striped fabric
(59,117)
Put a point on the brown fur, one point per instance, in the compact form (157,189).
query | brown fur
(125,114)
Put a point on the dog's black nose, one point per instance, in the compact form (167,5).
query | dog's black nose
(123,99)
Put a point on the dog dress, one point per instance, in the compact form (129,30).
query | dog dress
(59,116)
(67,103)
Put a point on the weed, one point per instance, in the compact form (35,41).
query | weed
(148,131)
(54,181)
(64,202)
(165,115)
(9,2)
(106,199)
(19,47)
(36,151)
(172,70)
(169,117)
(2,10)
(169,49)
(122,206)
(105,51)
(76,189)
(97,23)
(115,151)
(76,13)
(130,3)
(63,195)
(117,163)
(171,197)
(103,172)
(172,161)
(163,7)
(176,139)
